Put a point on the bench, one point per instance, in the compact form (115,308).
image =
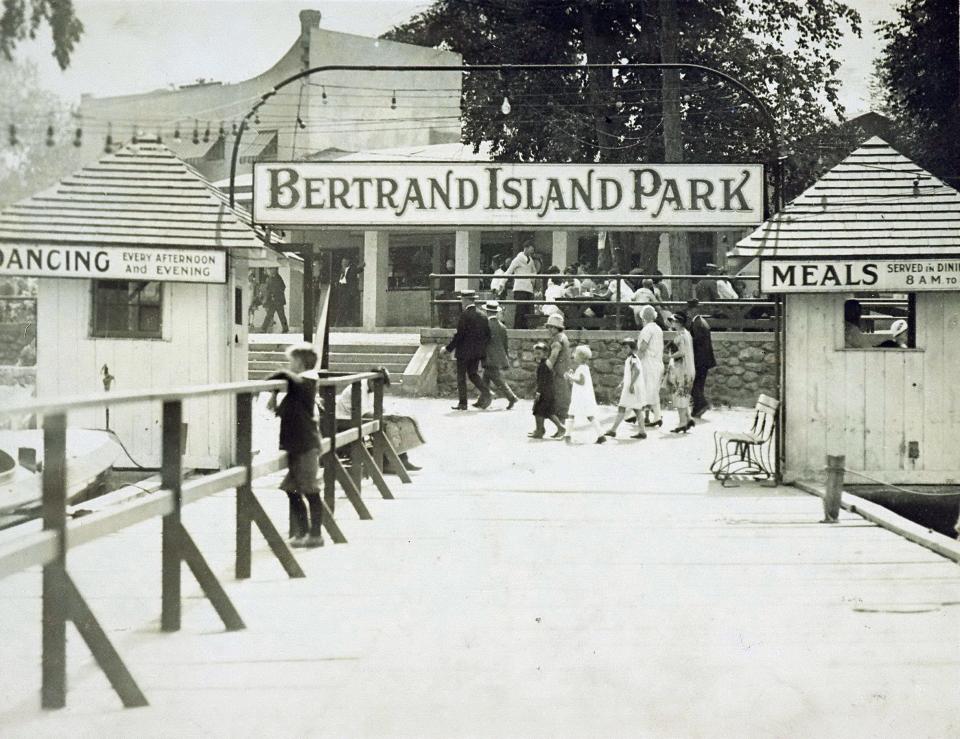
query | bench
(749,453)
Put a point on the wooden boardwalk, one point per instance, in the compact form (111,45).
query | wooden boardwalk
(523,589)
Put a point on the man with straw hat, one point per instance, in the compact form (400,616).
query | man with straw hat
(497,359)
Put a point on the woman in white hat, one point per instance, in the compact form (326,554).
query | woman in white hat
(898,331)
(559,362)
(650,351)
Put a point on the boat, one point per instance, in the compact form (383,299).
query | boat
(91,453)
(934,506)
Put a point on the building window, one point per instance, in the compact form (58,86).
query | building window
(123,309)
(880,321)
(409,267)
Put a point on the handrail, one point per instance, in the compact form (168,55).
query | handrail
(602,276)
(96,400)
(62,600)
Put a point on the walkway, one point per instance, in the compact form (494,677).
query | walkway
(525,589)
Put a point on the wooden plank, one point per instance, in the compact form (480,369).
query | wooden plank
(28,550)
(269,465)
(894,446)
(103,651)
(798,387)
(111,520)
(213,483)
(932,338)
(914,407)
(852,383)
(833,391)
(875,413)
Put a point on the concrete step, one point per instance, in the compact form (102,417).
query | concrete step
(368,357)
(406,349)
(395,368)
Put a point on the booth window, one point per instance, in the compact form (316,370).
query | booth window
(127,309)
(881,321)
(409,267)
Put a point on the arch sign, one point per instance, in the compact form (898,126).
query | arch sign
(502,195)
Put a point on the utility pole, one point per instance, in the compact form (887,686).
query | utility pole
(679,248)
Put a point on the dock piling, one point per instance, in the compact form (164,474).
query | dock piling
(834,483)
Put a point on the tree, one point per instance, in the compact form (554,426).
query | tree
(22,19)
(919,75)
(783,50)
(27,163)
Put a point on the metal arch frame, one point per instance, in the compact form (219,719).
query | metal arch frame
(769,122)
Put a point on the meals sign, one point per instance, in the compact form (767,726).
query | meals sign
(159,264)
(859,275)
(459,195)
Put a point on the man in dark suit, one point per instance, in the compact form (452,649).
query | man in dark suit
(348,294)
(470,344)
(497,360)
(703,359)
(274,300)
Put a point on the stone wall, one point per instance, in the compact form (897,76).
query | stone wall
(746,364)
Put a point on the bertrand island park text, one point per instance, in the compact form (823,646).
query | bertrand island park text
(507,195)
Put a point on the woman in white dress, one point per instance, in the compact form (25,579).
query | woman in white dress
(650,351)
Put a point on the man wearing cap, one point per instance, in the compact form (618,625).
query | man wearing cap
(497,359)
(703,358)
(522,265)
(470,344)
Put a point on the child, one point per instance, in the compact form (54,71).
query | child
(632,394)
(543,404)
(583,402)
(300,439)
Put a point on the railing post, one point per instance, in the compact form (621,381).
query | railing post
(171,476)
(834,484)
(55,596)
(328,428)
(378,450)
(617,312)
(433,306)
(356,420)
(244,491)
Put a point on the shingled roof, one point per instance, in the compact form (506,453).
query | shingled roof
(876,202)
(142,195)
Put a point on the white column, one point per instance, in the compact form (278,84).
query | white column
(565,249)
(376,247)
(467,258)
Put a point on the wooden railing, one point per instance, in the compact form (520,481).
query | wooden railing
(614,313)
(62,600)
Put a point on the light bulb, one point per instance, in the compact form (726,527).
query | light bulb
(505,108)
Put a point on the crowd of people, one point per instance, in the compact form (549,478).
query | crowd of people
(594,297)
(565,393)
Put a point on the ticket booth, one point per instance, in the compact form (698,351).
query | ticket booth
(142,284)
(868,261)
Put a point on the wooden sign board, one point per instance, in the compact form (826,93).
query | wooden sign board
(506,195)
(159,264)
(907,275)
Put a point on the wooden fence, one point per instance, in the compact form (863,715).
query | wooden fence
(62,600)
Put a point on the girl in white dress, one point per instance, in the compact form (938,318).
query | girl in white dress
(650,351)
(632,394)
(583,401)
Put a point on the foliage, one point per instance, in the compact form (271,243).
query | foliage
(782,50)
(31,165)
(919,75)
(22,19)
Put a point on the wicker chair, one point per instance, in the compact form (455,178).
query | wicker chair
(748,454)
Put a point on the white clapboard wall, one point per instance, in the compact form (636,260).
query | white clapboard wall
(198,347)
(869,404)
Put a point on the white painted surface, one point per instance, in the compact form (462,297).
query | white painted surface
(200,345)
(869,404)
